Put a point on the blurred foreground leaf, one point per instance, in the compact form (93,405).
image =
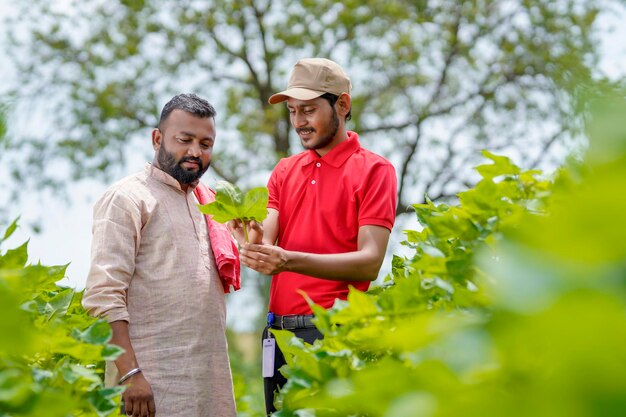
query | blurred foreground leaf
(513,304)
(51,352)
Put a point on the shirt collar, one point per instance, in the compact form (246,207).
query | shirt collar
(166,178)
(337,155)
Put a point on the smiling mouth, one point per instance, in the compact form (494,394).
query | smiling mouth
(305,132)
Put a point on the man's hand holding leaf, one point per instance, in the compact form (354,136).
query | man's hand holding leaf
(253,229)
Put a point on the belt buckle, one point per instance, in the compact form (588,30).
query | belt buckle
(282,322)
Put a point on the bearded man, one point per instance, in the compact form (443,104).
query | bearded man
(159,271)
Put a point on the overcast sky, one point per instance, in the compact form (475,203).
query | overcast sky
(66,232)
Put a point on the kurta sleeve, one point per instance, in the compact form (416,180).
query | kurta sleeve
(116,237)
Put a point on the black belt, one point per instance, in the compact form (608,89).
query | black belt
(292,322)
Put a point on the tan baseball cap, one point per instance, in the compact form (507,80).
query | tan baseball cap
(312,77)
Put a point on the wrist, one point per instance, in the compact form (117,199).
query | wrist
(128,375)
(290,260)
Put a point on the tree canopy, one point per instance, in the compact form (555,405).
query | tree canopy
(435,82)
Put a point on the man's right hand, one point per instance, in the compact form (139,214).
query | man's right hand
(138,397)
(255,231)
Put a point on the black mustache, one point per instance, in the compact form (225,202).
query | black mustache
(191,159)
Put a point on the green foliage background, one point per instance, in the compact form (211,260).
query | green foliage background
(513,304)
(435,81)
(51,351)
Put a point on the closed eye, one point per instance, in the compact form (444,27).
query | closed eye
(310,110)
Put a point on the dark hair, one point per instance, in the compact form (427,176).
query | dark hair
(332,99)
(189,103)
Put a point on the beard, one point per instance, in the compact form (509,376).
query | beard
(328,135)
(171,166)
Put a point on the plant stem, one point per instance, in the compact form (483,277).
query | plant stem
(245,230)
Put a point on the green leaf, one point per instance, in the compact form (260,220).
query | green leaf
(111,352)
(98,333)
(501,166)
(52,357)
(106,401)
(362,303)
(12,227)
(73,373)
(230,204)
(288,343)
(255,204)
(54,303)
(15,258)
(15,389)
(14,322)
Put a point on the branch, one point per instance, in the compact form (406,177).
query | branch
(228,77)
(403,208)
(241,55)
(482,91)
(444,196)
(264,93)
(244,54)
(407,160)
(450,150)
(546,146)
(449,178)
(397,126)
(451,174)
(280,137)
(413,147)
(452,52)
(442,166)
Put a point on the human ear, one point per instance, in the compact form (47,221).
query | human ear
(344,103)
(156,138)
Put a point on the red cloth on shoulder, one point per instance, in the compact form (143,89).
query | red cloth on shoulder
(222,243)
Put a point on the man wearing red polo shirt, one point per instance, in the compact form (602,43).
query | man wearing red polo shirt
(330,212)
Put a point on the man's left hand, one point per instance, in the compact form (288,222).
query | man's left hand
(266,259)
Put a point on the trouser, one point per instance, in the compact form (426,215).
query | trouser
(272,384)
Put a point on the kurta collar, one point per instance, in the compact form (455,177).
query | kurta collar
(337,155)
(166,178)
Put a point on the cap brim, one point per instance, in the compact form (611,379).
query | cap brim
(297,93)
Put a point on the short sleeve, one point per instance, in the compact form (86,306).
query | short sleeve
(379,197)
(274,184)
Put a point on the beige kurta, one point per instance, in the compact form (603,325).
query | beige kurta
(152,265)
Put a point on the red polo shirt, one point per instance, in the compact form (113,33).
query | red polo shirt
(321,203)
